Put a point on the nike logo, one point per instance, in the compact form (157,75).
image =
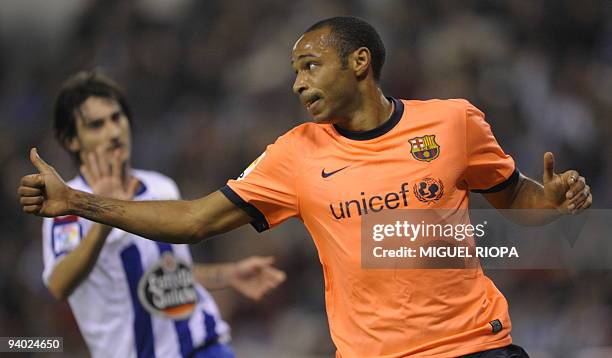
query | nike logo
(327,175)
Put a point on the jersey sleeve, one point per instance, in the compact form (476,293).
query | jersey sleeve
(488,168)
(266,189)
(61,235)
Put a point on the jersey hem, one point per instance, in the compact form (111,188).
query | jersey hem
(259,222)
(482,347)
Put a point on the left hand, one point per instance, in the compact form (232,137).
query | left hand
(255,276)
(567,192)
(105,173)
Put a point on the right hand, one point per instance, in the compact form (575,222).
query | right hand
(46,193)
(105,175)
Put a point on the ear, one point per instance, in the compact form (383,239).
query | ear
(73,144)
(360,60)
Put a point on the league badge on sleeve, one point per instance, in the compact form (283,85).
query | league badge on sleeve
(66,234)
(251,166)
(425,148)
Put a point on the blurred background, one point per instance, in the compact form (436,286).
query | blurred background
(210,86)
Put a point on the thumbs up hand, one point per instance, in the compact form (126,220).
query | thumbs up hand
(43,194)
(567,192)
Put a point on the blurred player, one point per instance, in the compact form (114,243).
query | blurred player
(131,297)
(363,153)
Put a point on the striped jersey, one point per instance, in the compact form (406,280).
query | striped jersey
(140,299)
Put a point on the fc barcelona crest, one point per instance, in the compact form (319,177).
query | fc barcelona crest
(424,148)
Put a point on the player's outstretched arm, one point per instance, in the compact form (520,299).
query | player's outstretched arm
(174,221)
(565,193)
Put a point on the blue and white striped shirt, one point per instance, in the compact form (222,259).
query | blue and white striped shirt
(140,299)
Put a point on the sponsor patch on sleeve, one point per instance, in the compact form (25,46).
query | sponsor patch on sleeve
(65,234)
(252,166)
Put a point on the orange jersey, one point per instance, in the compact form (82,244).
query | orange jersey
(329,178)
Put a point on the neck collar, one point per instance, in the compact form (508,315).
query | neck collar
(398,111)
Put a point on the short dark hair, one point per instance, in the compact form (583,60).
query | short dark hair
(74,92)
(350,33)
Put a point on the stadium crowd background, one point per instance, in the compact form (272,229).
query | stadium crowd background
(210,86)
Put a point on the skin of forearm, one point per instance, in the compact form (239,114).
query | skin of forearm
(214,276)
(529,194)
(166,221)
(172,221)
(77,264)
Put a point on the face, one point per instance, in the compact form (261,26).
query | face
(102,125)
(325,87)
